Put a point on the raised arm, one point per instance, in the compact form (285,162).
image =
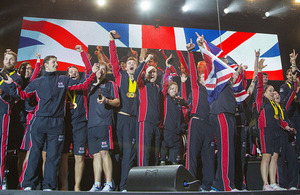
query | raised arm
(75,85)
(193,69)
(293,57)
(113,56)
(254,78)
(183,79)
(166,77)
(260,87)
(139,71)
(85,59)
(37,67)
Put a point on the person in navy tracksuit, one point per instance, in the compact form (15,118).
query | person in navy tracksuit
(288,92)
(270,122)
(103,98)
(294,109)
(75,125)
(7,101)
(222,117)
(154,62)
(149,115)
(287,174)
(30,106)
(48,125)
(200,140)
(127,114)
(173,120)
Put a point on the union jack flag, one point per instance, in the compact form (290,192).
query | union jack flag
(240,83)
(59,37)
(217,74)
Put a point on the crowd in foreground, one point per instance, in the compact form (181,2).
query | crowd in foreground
(140,118)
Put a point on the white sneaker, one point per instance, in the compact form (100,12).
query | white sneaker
(235,190)
(27,189)
(267,187)
(276,187)
(95,188)
(47,190)
(107,188)
(293,188)
(124,190)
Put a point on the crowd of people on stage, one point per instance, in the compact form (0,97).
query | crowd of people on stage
(145,116)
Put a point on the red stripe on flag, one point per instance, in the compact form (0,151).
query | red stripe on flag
(158,38)
(62,66)
(234,41)
(59,34)
(272,75)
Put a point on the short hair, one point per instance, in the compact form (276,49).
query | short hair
(201,66)
(102,63)
(265,74)
(11,53)
(47,59)
(172,83)
(266,87)
(132,58)
(288,71)
(123,59)
(22,66)
(155,58)
(67,74)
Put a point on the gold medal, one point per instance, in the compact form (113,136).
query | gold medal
(75,105)
(130,95)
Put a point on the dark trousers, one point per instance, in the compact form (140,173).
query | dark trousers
(126,133)
(295,120)
(148,141)
(171,146)
(5,118)
(240,149)
(287,164)
(224,125)
(49,131)
(200,141)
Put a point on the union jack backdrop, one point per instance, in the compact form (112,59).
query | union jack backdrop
(59,37)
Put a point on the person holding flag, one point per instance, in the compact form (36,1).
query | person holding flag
(219,79)
(200,133)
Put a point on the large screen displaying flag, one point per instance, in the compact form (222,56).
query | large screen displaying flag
(59,37)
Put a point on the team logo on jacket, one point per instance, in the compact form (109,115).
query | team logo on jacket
(81,150)
(61,138)
(104,144)
(61,85)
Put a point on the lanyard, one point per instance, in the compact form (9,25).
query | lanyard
(281,111)
(72,98)
(276,116)
(9,75)
(131,89)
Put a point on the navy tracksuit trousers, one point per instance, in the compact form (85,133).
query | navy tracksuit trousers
(49,131)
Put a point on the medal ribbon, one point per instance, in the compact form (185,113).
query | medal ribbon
(281,111)
(72,98)
(132,86)
(275,109)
